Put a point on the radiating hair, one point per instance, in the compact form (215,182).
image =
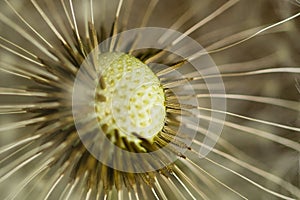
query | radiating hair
(253,44)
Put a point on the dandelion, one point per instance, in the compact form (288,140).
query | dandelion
(118,100)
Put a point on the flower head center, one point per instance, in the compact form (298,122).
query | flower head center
(129,99)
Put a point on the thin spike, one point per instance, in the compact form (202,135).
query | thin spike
(18,143)
(67,14)
(293,105)
(182,184)
(178,23)
(28,25)
(160,190)
(148,13)
(249,180)
(26,181)
(263,134)
(21,55)
(115,27)
(252,119)
(27,36)
(275,179)
(15,169)
(215,179)
(154,193)
(53,186)
(196,55)
(76,28)
(210,17)
(20,48)
(295,70)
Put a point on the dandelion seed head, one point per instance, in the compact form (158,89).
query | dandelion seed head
(130,87)
(139,122)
